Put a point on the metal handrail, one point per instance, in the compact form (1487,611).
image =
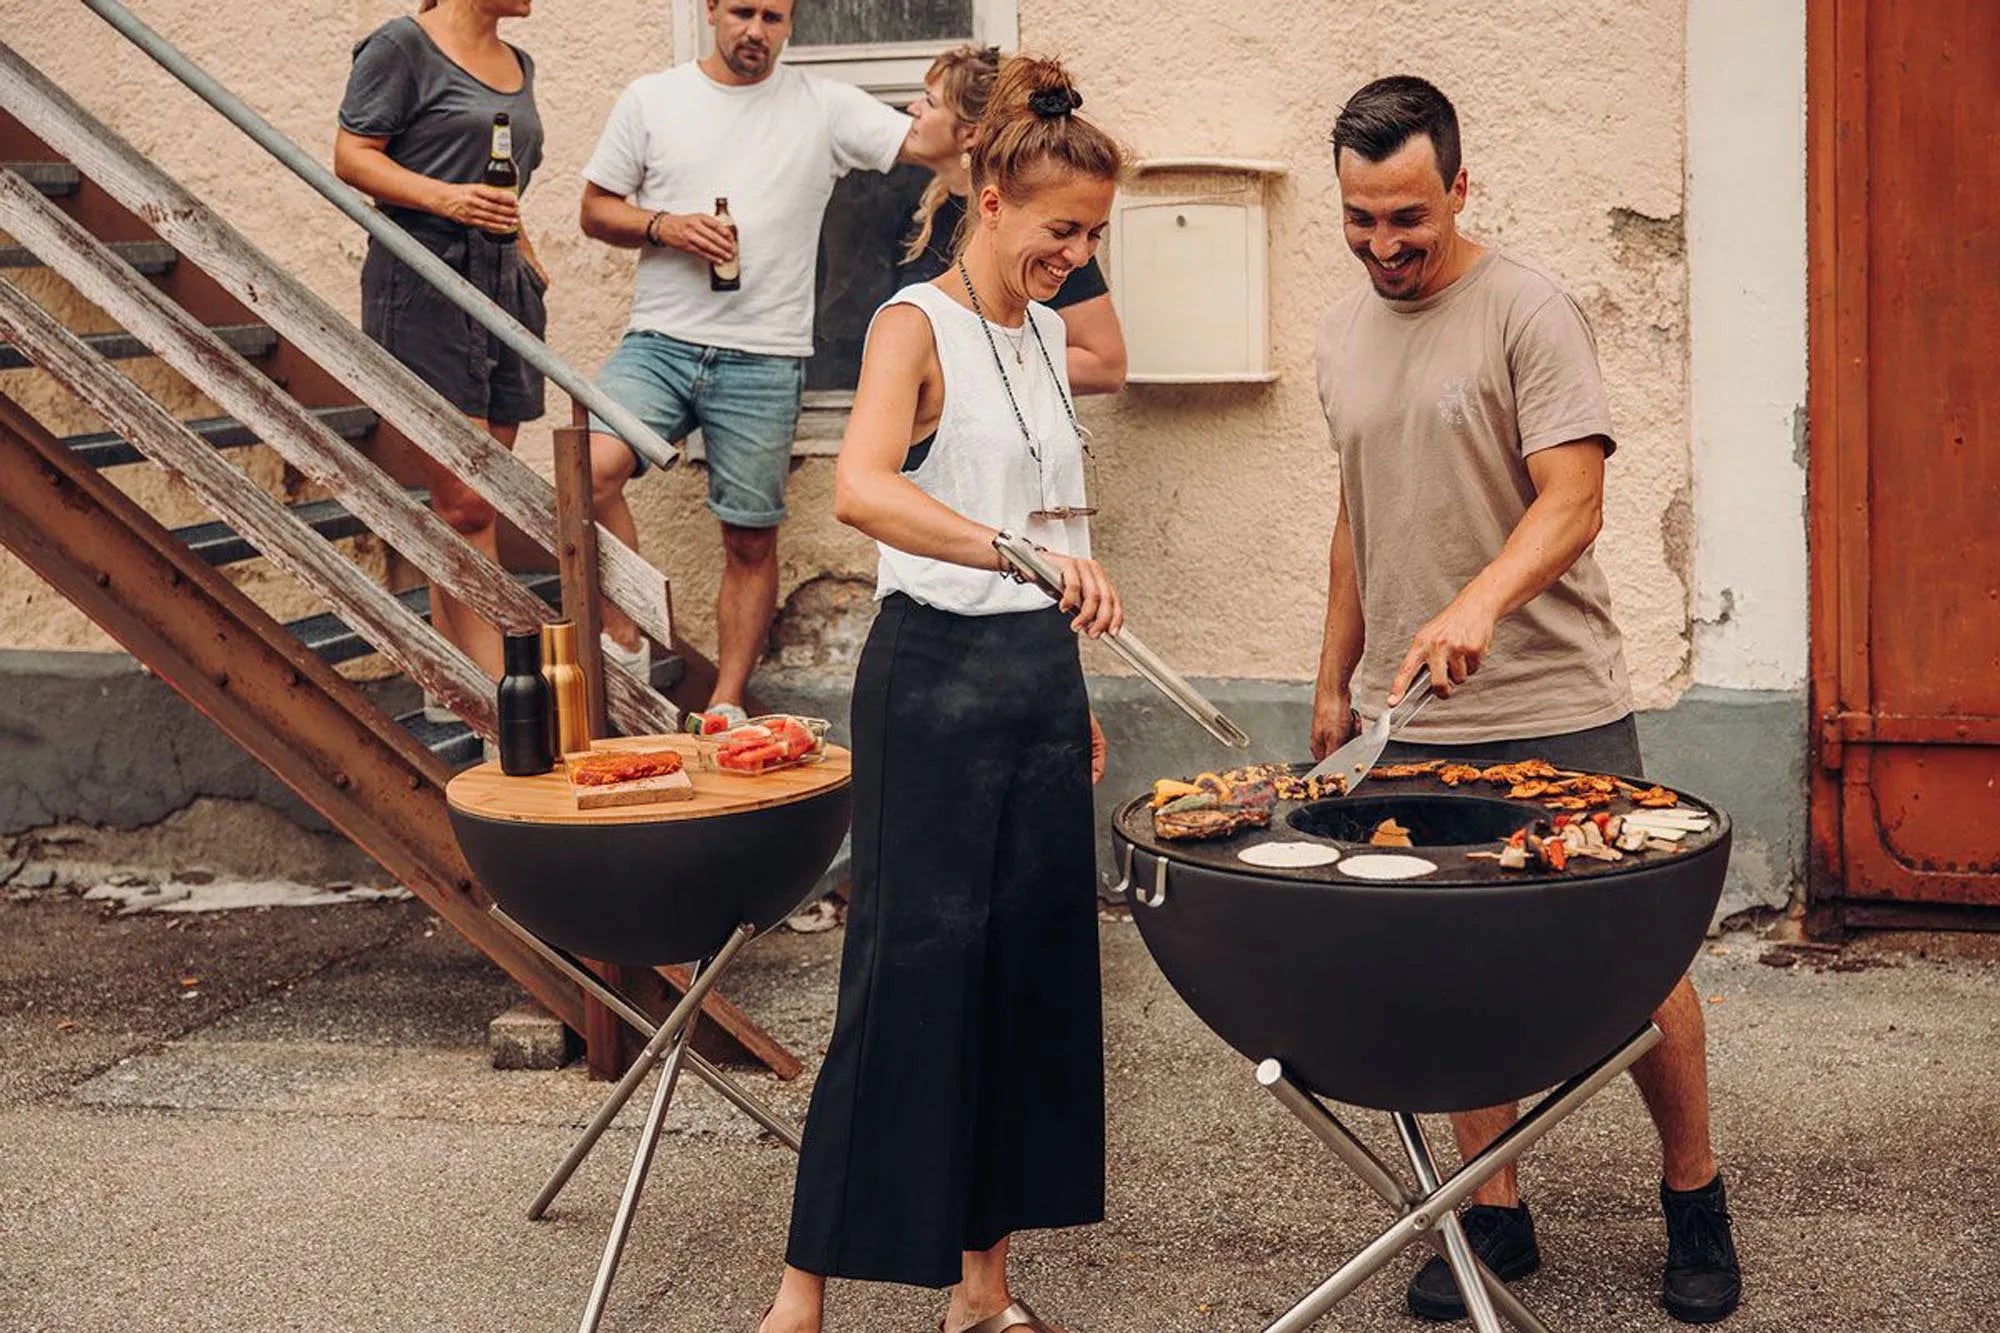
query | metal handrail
(398,241)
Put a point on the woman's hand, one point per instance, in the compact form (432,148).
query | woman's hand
(1098,751)
(481,206)
(1087,590)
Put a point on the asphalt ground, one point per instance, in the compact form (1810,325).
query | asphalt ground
(286,1119)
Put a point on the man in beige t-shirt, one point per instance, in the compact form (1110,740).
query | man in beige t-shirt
(1464,400)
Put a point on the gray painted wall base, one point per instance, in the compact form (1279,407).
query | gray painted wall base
(92,737)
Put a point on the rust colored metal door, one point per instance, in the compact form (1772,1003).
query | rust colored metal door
(1904,216)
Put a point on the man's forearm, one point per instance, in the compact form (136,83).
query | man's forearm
(615,222)
(1555,532)
(1346,631)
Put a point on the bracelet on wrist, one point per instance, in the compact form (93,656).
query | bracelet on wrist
(652,226)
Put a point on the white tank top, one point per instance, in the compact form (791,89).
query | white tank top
(978,464)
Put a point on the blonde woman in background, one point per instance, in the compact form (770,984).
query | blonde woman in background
(957,88)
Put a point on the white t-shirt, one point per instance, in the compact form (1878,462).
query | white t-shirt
(677,140)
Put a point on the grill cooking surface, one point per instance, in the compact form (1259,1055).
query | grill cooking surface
(1445,823)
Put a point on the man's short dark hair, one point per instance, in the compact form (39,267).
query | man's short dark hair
(1388,113)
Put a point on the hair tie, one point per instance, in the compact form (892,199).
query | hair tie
(1054,103)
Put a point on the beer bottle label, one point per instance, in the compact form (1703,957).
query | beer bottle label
(503,141)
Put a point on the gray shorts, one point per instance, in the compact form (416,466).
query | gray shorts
(1611,748)
(441,344)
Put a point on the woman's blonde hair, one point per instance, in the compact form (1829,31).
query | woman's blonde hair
(1030,125)
(964,76)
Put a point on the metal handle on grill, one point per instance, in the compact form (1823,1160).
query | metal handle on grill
(1030,567)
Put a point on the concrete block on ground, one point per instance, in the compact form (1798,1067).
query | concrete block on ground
(528,1037)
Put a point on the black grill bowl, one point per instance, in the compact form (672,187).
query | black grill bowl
(654,893)
(1450,993)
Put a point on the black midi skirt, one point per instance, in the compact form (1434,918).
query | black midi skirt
(962,1095)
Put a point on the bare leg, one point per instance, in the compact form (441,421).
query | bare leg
(1475,1130)
(1673,1078)
(611,466)
(982,1290)
(800,1305)
(744,607)
(473,519)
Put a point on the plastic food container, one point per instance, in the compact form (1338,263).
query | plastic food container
(766,744)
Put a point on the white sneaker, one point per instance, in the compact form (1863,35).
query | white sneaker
(639,661)
(731,713)
(436,713)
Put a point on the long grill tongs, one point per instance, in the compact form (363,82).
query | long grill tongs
(1030,567)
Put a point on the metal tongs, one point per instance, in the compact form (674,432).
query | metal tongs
(1352,761)
(1029,566)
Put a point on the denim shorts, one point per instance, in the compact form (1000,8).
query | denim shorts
(445,347)
(746,404)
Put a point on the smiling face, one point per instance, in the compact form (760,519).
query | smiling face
(749,35)
(1401,220)
(1048,229)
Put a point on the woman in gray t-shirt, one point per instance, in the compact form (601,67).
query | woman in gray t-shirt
(416,129)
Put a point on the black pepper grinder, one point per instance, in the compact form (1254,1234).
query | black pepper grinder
(524,709)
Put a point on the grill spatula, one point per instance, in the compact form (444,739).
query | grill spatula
(1352,761)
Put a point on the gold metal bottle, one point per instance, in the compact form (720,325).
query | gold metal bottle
(569,706)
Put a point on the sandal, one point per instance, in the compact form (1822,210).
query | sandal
(1017,1315)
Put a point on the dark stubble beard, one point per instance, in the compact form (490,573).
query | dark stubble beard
(743,69)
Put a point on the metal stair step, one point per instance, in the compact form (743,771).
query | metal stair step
(251,340)
(219,544)
(150,258)
(110,449)
(330,637)
(453,742)
(51,178)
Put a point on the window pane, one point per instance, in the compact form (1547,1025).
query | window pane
(860,249)
(851,22)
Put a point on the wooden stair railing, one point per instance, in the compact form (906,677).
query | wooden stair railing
(204,637)
(297,313)
(109,273)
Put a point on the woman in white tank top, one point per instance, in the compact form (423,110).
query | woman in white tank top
(962,1095)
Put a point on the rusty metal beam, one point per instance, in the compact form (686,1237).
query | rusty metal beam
(265,690)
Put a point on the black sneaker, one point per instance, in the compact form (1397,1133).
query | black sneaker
(1702,1282)
(1504,1240)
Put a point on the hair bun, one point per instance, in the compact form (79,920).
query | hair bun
(1054,103)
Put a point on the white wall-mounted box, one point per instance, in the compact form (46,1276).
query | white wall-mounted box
(1188,264)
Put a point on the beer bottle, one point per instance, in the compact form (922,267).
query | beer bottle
(726,277)
(501,173)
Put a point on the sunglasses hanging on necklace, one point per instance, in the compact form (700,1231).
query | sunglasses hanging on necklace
(1059,512)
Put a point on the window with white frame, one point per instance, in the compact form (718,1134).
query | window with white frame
(883,46)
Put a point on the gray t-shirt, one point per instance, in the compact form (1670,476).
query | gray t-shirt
(1434,407)
(437,118)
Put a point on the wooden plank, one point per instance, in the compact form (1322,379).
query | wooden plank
(281,301)
(483,790)
(413,645)
(298,436)
(576,558)
(208,641)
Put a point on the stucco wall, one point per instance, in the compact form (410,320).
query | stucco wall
(1217,502)
(1747,248)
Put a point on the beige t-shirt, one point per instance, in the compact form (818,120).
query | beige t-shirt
(1434,406)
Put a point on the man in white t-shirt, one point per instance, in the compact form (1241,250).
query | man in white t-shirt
(772,140)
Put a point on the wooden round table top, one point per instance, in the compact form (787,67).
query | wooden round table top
(485,791)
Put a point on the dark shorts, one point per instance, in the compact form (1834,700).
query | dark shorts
(1611,748)
(445,347)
